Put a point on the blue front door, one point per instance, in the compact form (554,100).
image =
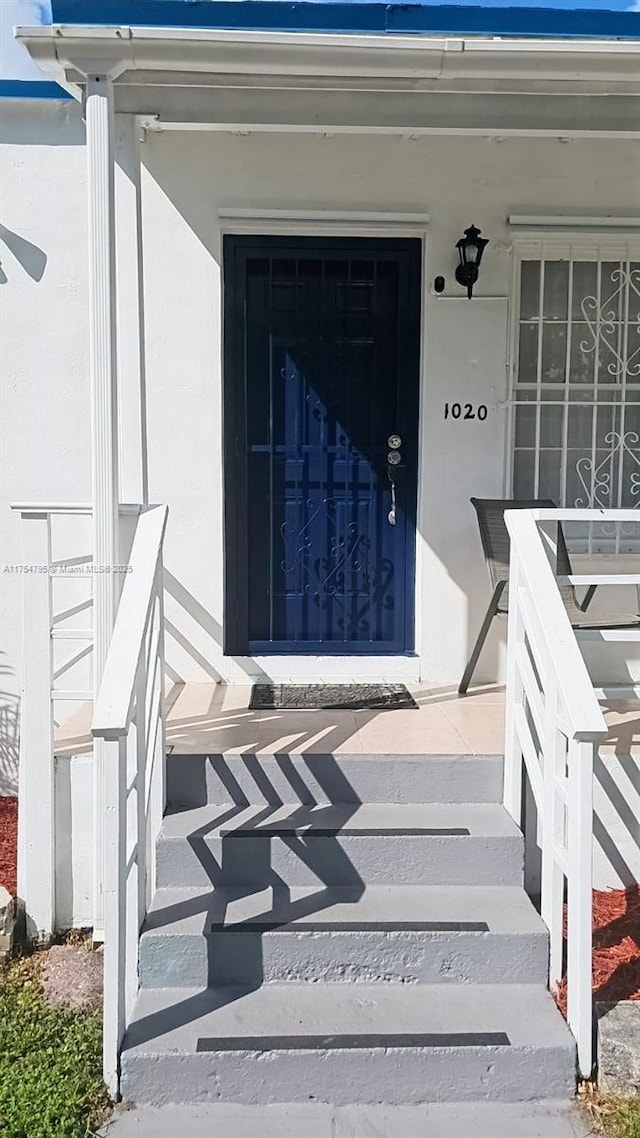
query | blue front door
(321,444)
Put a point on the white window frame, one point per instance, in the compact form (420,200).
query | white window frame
(548,246)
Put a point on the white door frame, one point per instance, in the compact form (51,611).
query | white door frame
(341,223)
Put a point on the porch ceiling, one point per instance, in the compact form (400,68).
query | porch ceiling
(398,84)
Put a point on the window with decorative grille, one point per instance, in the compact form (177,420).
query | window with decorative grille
(575,390)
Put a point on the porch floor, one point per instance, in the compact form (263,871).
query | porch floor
(215,719)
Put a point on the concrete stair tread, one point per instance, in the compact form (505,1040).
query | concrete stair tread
(323,1120)
(173,1021)
(188,911)
(193,780)
(479,819)
(340,756)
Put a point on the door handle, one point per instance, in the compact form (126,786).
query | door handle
(391,516)
(394,458)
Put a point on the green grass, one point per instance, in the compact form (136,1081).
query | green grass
(621,1118)
(50,1062)
(614,1117)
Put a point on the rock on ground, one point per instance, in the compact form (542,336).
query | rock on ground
(72,977)
(7,923)
(7,912)
(619,1047)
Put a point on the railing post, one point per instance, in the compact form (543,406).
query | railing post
(36,803)
(142,772)
(125,719)
(514,699)
(579,902)
(157,792)
(552,879)
(115,908)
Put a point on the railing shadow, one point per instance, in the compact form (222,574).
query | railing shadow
(244,868)
(619,757)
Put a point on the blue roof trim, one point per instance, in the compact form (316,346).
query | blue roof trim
(275,15)
(32,89)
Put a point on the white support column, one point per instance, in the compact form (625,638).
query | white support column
(36,806)
(132,420)
(104,437)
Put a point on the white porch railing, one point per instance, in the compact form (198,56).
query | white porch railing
(58,578)
(554,725)
(129,716)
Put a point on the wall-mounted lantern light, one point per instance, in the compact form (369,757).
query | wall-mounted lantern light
(470,249)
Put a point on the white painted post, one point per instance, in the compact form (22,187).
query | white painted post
(514,699)
(139,727)
(579,902)
(551,874)
(104,439)
(115,892)
(158,757)
(36,805)
(130,308)
(129,911)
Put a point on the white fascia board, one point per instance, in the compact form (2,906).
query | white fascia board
(552,221)
(76,32)
(44,54)
(99,51)
(414,42)
(217,51)
(118,49)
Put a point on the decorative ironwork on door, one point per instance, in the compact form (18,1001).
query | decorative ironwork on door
(321,369)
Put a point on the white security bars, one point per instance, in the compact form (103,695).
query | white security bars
(553,726)
(129,716)
(575,384)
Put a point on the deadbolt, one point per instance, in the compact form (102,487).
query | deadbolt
(394,442)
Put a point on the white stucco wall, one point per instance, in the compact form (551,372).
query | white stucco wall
(189,177)
(44,392)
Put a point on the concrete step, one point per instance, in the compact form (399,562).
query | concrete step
(390,934)
(322,1120)
(195,780)
(341,1044)
(349,846)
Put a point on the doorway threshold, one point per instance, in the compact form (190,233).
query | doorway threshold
(321,669)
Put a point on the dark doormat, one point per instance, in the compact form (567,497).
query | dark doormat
(330,697)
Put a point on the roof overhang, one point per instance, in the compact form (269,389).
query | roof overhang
(245,79)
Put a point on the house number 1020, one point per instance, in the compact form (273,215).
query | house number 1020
(465,411)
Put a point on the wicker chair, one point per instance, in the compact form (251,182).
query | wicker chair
(494,536)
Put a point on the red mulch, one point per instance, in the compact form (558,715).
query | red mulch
(8,843)
(616,947)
